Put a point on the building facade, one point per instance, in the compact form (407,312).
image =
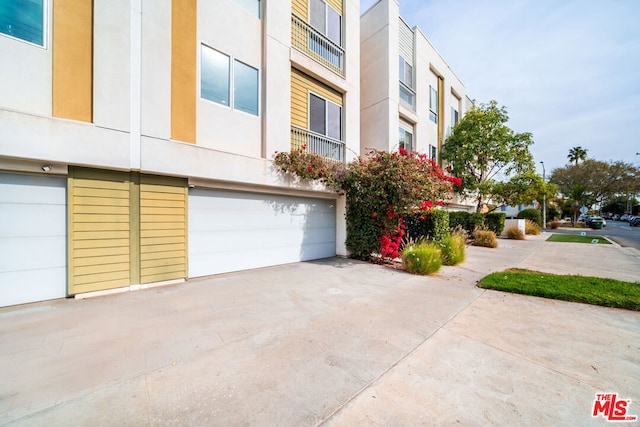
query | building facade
(137,138)
(409,98)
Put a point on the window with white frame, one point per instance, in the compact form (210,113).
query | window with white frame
(326,20)
(405,73)
(325,117)
(433,104)
(217,77)
(252,6)
(433,152)
(405,137)
(454,117)
(23,20)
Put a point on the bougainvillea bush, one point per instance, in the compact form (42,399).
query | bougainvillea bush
(381,189)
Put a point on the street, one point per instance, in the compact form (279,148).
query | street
(618,231)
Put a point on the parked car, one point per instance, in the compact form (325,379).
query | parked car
(616,217)
(588,218)
(596,222)
(635,222)
(624,217)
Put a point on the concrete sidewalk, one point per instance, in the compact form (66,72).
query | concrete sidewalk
(335,342)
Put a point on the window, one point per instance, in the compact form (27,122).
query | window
(215,76)
(405,73)
(245,88)
(216,80)
(433,104)
(433,152)
(23,20)
(326,20)
(325,117)
(252,6)
(405,139)
(454,117)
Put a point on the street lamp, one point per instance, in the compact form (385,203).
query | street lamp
(544,199)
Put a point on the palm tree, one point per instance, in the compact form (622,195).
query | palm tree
(576,154)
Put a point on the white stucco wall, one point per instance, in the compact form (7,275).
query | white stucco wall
(227,27)
(111,64)
(26,73)
(156,69)
(379,76)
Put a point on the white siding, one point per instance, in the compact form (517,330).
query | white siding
(406,42)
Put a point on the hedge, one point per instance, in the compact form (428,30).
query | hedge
(531,214)
(495,221)
(432,225)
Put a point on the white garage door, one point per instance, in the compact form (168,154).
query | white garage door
(231,231)
(33,254)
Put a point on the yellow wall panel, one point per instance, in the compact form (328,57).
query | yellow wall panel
(163,228)
(301,8)
(125,228)
(99,227)
(183,70)
(336,4)
(108,259)
(72,50)
(147,256)
(301,86)
(101,281)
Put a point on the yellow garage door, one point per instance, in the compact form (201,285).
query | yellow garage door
(99,230)
(125,229)
(163,228)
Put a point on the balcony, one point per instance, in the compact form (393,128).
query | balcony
(324,146)
(316,45)
(407,96)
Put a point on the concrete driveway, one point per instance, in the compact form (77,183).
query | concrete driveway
(332,342)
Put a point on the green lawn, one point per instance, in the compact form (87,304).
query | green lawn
(589,290)
(576,238)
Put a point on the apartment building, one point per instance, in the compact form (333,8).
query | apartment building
(410,98)
(137,138)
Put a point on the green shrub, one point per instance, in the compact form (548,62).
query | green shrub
(429,225)
(422,258)
(459,219)
(495,221)
(486,238)
(532,215)
(476,221)
(531,227)
(452,247)
(515,233)
(553,213)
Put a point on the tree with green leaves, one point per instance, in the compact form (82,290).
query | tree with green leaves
(576,154)
(482,149)
(598,182)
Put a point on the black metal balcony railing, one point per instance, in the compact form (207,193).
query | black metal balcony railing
(316,45)
(316,143)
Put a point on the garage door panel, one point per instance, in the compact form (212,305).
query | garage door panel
(21,287)
(32,238)
(27,189)
(231,231)
(32,220)
(27,253)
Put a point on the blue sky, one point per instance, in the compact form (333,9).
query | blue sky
(568,71)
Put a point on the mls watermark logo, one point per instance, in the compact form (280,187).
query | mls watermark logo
(612,408)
